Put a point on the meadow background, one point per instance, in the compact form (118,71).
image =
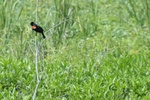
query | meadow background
(94,50)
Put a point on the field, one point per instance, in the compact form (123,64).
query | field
(94,50)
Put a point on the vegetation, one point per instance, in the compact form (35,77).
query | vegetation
(94,50)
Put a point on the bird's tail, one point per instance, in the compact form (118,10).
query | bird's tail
(43,35)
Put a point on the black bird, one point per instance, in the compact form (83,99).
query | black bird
(37,28)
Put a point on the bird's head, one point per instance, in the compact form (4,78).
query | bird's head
(32,23)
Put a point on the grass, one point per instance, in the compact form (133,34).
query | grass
(94,50)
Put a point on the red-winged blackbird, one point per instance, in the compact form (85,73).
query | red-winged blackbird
(37,28)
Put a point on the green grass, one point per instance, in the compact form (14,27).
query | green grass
(95,50)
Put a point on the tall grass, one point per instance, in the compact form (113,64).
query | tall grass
(139,10)
(93,50)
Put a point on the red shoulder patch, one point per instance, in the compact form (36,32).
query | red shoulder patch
(33,27)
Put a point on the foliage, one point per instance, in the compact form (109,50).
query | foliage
(93,50)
